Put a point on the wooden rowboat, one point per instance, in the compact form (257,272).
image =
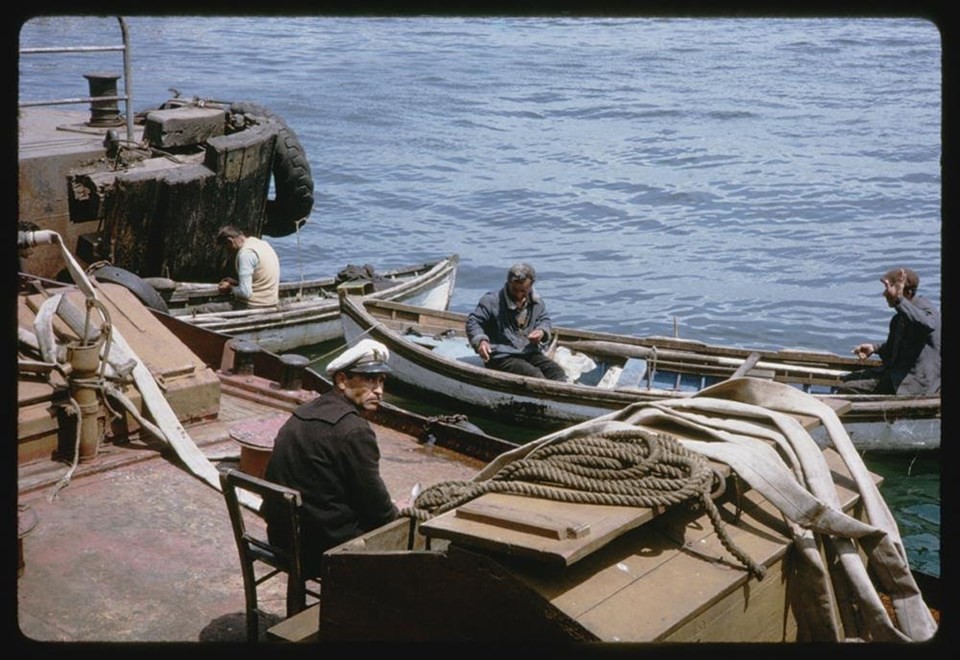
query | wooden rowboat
(308,312)
(430,356)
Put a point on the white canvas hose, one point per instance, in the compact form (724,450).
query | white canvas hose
(734,422)
(166,424)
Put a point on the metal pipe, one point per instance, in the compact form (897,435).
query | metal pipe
(127,77)
(29,239)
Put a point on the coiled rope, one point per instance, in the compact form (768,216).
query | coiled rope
(623,467)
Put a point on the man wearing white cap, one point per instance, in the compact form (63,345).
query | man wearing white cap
(328,452)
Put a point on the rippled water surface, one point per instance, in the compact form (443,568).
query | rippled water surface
(746,181)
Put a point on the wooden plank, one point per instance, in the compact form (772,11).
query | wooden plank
(668,553)
(185,126)
(514,525)
(715,598)
(301,627)
(508,529)
(769,618)
(431,596)
(747,365)
(525,521)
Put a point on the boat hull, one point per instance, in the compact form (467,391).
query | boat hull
(464,382)
(314,318)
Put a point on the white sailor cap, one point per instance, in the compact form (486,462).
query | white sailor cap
(367,357)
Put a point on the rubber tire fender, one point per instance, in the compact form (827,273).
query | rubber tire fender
(134,283)
(292,179)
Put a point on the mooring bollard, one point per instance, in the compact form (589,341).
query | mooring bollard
(243,356)
(293,366)
(103,113)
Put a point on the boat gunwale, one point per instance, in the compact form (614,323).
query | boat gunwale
(413,278)
(513,386)
(318,310)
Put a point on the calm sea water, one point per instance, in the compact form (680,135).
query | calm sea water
(745,181)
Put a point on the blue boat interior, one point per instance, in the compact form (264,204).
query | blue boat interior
(633,372)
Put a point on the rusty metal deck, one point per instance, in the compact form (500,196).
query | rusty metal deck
(140,550)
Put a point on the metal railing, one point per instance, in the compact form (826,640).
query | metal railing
(126,97)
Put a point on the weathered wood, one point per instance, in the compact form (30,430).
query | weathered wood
(160,219)
(747,365)
(184,126)
(604,522)
(692,574)
(190,387)
(532,522)
(308,312)
(702,591)
(301,627)
(244,164)
(427,596)
(550,405)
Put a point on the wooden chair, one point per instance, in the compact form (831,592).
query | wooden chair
(253,549)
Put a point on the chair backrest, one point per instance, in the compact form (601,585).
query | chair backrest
(254,547)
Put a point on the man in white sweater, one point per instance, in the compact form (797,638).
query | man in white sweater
(258,269)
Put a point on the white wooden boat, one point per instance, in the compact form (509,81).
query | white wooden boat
(430,355)
(309,311)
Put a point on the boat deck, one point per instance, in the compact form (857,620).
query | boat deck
(137,549)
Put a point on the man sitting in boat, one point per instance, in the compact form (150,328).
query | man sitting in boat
(510,327)
(911,353)
(329,452)
(258,269)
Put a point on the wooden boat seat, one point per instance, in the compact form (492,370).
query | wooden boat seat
(458,349)
(631,375)
(634,371)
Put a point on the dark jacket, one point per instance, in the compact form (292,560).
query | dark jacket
(496,320)
(911,353)
(329,453)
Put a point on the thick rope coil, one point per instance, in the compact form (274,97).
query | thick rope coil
(628,467)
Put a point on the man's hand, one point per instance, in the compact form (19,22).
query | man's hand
(483,350)
(226,285)
(863,351)
(535,336)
